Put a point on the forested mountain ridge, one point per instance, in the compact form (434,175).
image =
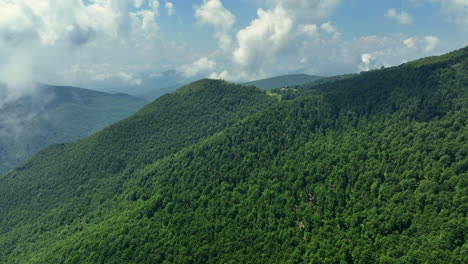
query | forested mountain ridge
(53,114)
(53,183)
(284,80)
(371,169)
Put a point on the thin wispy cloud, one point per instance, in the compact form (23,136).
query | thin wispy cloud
(402,17)
(170,8)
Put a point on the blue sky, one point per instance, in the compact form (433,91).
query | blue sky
(104,43)
(355,18)
(365,27)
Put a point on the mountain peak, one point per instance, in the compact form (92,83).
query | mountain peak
(199,85)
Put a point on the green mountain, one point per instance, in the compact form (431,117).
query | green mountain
(283,81)
(53,114)
(370,169)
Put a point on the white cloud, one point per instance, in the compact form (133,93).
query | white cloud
(213,13)
(427,43)
(139,3)
(123,75)
(378,51)
(201,66)
(402,18)
(409,43)
(154,5)
(367,60)
(15,74)
(431,43)
(128,78)
(311,30)
(457,11)
(170,8)
(280,31)
(66,42)
(262,41)
(328,27)
(221,75)
(49,36)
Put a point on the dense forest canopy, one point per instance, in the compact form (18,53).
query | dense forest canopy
(372,168)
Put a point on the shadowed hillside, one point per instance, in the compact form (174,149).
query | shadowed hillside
(53,114)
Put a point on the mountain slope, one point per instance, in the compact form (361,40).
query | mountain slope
(67,183)
(283,81)
(55,114)
(371,169)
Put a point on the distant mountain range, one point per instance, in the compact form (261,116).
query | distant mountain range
(53,114)
(366,168)
(155,85)
(152,85)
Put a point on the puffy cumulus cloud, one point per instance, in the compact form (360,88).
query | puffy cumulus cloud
(409,43)
(375,51)
(329,57)
(213,13)
(278,41)
(367,61)
(29,21)
(426,43)
(402,17)
(262,41)
(48,36)
(170,8)
(281,31)
(73,42)
(296,36)
(16,25)
(203,65)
